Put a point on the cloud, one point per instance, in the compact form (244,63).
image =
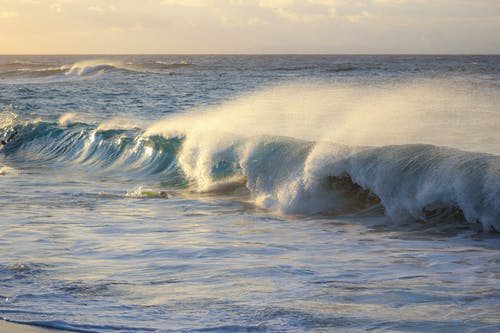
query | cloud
(226,21)
(101,9)
(390,2)
(257,22)
(187,3)
(329,3)
(309,11)
(8,14)
(22,1)
(253,26)
(274,3)
(356,18)
(56,6)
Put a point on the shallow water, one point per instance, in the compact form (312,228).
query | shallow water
(305,193)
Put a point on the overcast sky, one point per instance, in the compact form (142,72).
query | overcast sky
(246,26)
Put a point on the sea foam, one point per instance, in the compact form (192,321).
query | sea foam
(318,148)
(289,156)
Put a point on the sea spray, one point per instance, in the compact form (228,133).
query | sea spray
(249,135)
(353,114)
(243,145)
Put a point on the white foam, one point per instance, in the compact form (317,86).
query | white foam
(289,175)
(437,112)
(6,170)
(87,67)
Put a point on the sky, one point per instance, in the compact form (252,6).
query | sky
(249,26)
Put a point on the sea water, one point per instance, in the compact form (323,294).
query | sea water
(301,193)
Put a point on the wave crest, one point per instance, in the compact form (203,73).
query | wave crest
(412,182)
(22,72)
(85,68)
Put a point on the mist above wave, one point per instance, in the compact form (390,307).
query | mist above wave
(319,148)
(433,111)
(308,149)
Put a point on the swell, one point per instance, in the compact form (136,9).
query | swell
(328,68)
(410,182)
(65,326)
(31,72)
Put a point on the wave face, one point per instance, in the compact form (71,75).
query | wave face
(413,182)
(87,146)
(410,182)
(328,149)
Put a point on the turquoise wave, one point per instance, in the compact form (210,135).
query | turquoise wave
(411,182)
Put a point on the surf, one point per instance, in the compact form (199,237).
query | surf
(100,151)
(28,72)
(411,182)
(319,148)
(301,149)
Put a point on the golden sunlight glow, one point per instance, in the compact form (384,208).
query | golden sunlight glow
(244,26)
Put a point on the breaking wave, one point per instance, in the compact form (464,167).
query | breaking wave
(302,150)
(21,72)
(411,182)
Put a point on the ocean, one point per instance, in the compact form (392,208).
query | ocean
(270,193)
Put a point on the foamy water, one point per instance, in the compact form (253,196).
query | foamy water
(259,193)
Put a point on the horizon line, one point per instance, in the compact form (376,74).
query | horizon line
(251,54)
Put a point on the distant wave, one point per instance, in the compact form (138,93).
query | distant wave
(169,65)
(80,328)
(21,64)
(329,68)
(50,73)
(90,67)
(62,325)
(30,72)
(85,68)
(411,182)
(343,68)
